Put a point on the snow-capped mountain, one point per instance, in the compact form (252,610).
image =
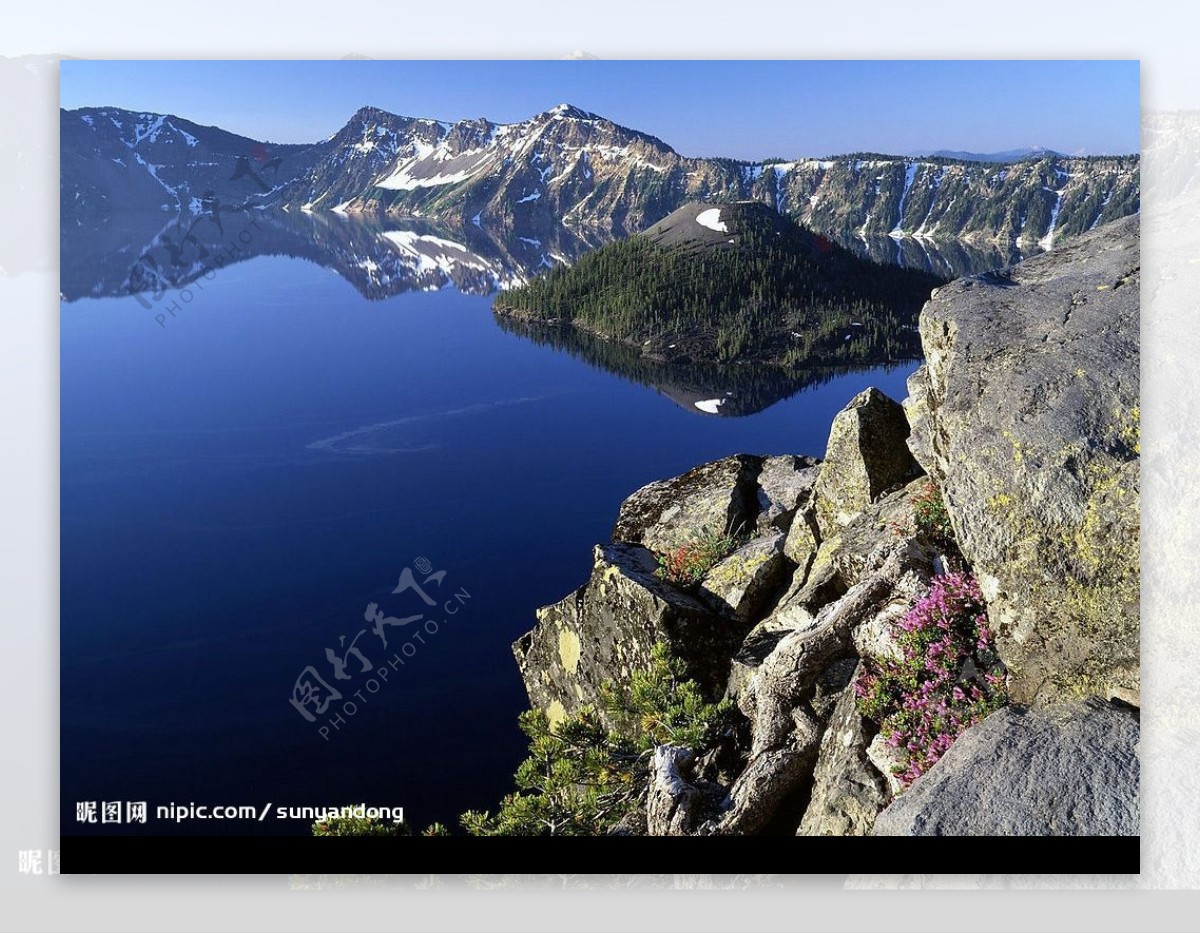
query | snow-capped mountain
(114,160)
(569,167)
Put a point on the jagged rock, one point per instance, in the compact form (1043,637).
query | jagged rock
(758,644)
(1027,415)
(797,609)
(740,584)
(874,638)
(850,555)
(847,791)
(1063,770)
(606,630)
(830,685)
(718,497)
(672,802)
(865,457)
(854,547)
(784,484)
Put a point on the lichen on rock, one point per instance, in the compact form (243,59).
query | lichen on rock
(1026,415)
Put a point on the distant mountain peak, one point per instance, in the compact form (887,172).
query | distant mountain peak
(570,111)
(1009,155)
(370,112)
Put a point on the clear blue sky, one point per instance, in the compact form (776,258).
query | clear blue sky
(742,109)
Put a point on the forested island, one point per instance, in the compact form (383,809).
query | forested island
(732,283)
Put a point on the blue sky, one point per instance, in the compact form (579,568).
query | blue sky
(740,109)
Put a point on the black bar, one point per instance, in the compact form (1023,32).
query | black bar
(371,855)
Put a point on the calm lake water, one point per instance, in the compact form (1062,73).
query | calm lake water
(239,485)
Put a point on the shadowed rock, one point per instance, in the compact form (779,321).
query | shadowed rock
(716,498)
(740,584)
(847,791)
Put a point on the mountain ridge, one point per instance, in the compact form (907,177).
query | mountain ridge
(569,166)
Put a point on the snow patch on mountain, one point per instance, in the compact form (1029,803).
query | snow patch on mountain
(187,137)
(910,172)
(1047,242)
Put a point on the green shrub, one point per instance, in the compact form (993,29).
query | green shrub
(687,564)
(581,778)
(931,516)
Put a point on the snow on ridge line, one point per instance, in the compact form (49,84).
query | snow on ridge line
(402,181)
(712,220)
(711,406)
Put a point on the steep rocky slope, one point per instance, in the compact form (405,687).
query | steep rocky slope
(843,560)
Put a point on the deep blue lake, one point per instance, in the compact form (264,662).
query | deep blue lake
(239,484)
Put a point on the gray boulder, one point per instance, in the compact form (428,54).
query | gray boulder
(785,483)
(739,585)
(606,630)
(1027,414)
(718,498)
(1064,770)
(865,457)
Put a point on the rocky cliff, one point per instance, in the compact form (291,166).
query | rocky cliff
(1027,416)
(954,585)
